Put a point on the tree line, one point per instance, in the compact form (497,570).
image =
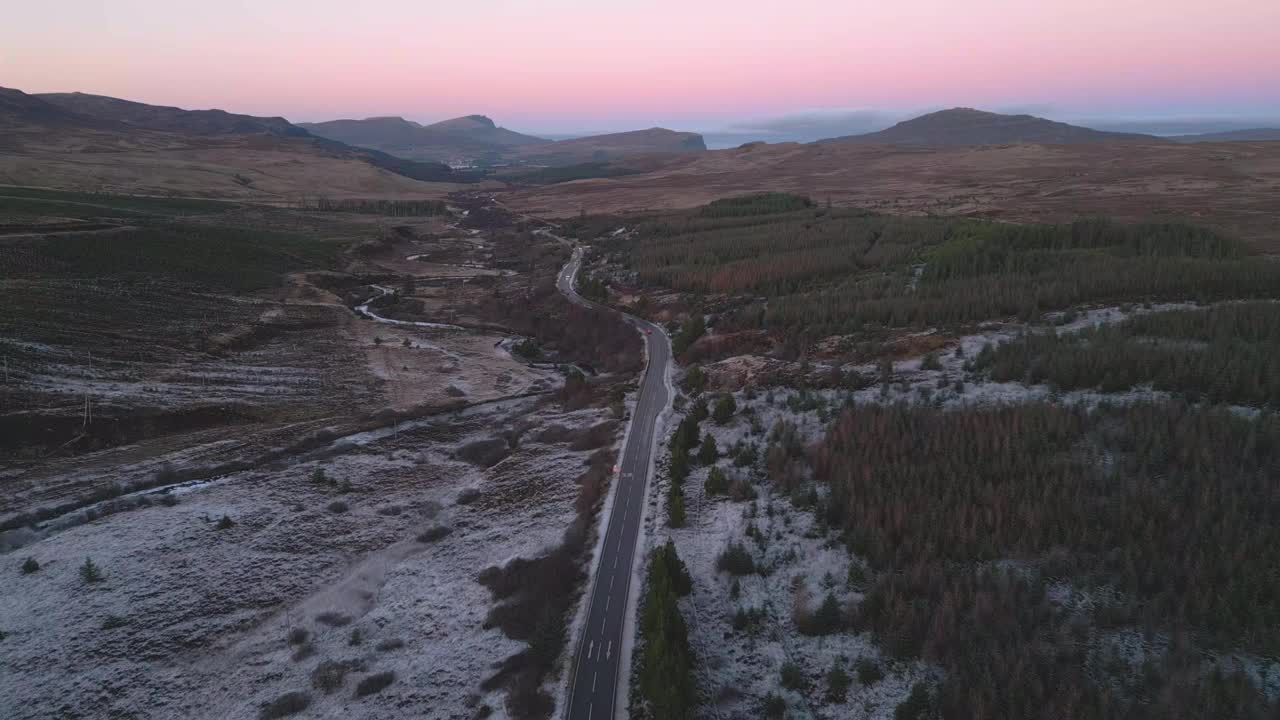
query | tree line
(1166,511)
(1229,353)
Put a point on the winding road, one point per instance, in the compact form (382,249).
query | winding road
(595,684)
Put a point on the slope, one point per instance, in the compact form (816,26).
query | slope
(966,126)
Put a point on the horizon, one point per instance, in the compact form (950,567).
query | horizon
(723,68)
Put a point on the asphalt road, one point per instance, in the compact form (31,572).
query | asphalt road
(593,688)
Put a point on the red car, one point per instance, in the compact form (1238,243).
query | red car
(647,331)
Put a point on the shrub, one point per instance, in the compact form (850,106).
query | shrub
(825,620)
(29,566)
(337,506)
(717,483)
(736,560)
(468,496)
(791,676)
(90,572)
(287,704)
(318,477)
(434,533)
(226,523)
(114,621)
(915,706)
(376,682)
(356,638)
(725,408)
(333,618)
(869,671)
(328,676)
(390,644)
(297,635)
(675,507)
(838,682)
(773,706)
(168,499)
(303,652)
(707,451)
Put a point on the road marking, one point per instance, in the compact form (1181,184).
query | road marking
(606,604)
(594,675)
(590,649)
(611,577)
(609,651)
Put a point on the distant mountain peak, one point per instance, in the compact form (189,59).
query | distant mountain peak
(480,120)
(970,126)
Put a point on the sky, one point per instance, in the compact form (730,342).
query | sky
(567,66)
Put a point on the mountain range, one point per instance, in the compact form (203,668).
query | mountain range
(966,126)
(477,140)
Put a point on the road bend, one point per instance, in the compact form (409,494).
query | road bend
(594,682)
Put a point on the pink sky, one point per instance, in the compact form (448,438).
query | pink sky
(547,64)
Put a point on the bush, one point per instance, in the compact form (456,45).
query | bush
(838,682)
(297,635)
(736,560)
(90,572)
(29,566)
(356,637)
(333,618)
(287,704)
(707,451)
(773,706)
(337,506)
(432,534)
(330,674)
(792,677)
(390,644)
(725,408)
(717,483)
(869,671)
(468,496)
(226,523)
(374,683)
(675,507)
(915,706)
(825,620)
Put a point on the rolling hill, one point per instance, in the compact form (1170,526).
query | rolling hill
(170,119)
(1249,135)
(476,139)
(597,148)
(456,140)
(966,126)
(89,142)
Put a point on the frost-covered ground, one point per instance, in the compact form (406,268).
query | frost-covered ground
(194,621)
(738,668)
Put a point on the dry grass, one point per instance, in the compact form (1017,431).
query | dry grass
(1230,186)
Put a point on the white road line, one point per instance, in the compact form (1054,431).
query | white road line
(606,605)
(608,651)
(594,675)
(611,577)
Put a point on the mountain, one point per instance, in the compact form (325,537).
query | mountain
(81,141)
(457,140)
(966,126)
(596,148)
(20,109)
(475,139)
(1252,134)
(170,119)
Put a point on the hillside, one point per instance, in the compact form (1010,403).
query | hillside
(476,139)
(1228,186)
(170,119)
(595,148)
(966,126)
(120,146)
(1249,135)
(457,140)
